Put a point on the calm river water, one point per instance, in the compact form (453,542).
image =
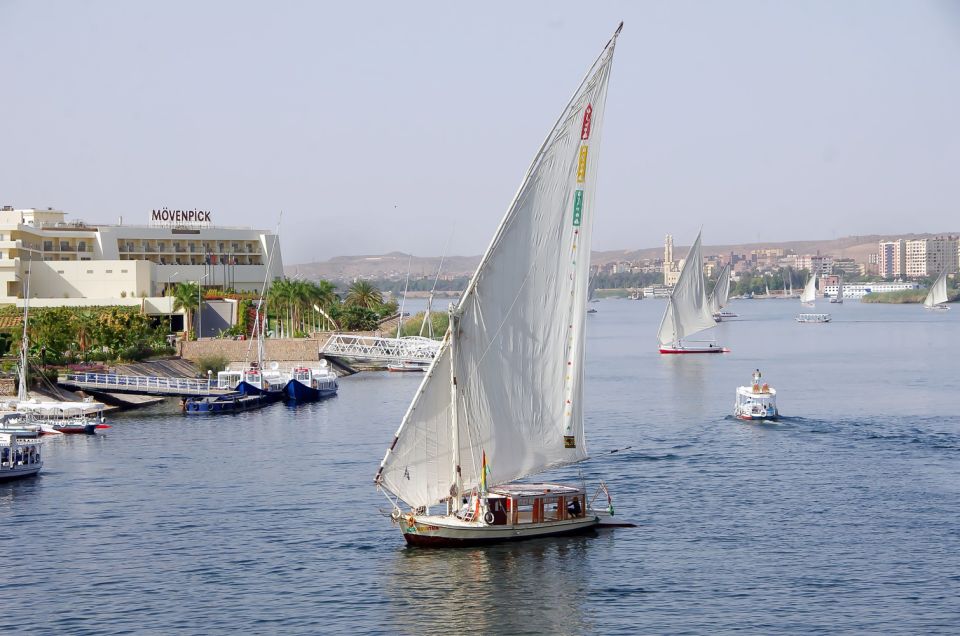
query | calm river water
(845,517)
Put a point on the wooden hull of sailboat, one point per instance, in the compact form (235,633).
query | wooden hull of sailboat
(446,532)
(678,350)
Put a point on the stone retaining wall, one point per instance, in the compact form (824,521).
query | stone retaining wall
(279,350)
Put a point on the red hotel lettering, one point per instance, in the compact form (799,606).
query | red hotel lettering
(585,129)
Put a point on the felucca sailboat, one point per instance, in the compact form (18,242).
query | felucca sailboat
(688,311)
(502,399)
(807,298)
(937,296)
(720,295)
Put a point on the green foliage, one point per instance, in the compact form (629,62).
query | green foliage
(905,296)
(59,334)
(357,319)
(439,320)
(293,302)
(186,296)
(364,294)
(213,363)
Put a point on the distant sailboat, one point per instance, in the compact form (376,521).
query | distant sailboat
(937,296)
(838,299)
(688,310)
(721,295)
(502,399)
(807,298)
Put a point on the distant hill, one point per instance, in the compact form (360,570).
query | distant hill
(395,264)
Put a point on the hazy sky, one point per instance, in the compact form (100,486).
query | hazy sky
(385,126)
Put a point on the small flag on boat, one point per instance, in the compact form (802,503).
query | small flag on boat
(484,471)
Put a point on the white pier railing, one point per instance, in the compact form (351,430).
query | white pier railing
(410,349)
(111,382)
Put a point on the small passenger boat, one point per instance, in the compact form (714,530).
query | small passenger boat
(309,385)
(67,418)
(19,455)
(813,318)
(757,401)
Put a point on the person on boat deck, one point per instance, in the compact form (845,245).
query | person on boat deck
(573,508)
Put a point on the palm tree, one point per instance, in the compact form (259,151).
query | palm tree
(85,324)
(363,294)
(186,296)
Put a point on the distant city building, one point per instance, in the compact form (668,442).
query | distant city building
(892,259)
(671,271)
(847,266)
(815,263)
(930,256)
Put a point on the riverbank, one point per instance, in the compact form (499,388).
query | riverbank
(905,296)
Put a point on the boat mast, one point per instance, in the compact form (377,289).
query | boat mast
(456,490)
(24,343)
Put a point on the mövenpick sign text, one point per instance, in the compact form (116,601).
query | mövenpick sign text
(180,218)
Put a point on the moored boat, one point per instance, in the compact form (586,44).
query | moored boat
(407,367)
(20,455)
(757,401)
(229,403)
(309,385)
(813,318)
(501,401)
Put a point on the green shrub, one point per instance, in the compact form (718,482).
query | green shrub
(213,363)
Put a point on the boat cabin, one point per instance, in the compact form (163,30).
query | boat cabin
(228,379)
(19,456)
(518,504)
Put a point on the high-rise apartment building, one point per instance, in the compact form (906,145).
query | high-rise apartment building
(892,259)
(929,257)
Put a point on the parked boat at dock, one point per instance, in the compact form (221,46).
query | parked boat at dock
(69,418)
(309,385)
(407,367)
(502,399)
(229,403)
(20,455)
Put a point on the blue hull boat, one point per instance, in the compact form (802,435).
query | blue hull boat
(272,394)
(229,403)
(299,392)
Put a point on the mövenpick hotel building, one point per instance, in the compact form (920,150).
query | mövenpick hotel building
(80,264)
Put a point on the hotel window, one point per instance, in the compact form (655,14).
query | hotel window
(82,246)
(109,271)
(123,271)
(48,246)
(89,271)
(64,246)
(160,247)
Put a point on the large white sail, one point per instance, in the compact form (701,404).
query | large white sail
(938,291)
(809,294)
(721,291)
(513,360)
(688,311)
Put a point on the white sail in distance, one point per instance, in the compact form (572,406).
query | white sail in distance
(721,291)
(938,291)
(507,383)
(809,294)
(688,311)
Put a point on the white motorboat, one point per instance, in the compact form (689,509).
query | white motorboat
(502,399)
(757,401)
(84,418)
(20,455)
(813,318)
(937,296)
(688,311)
